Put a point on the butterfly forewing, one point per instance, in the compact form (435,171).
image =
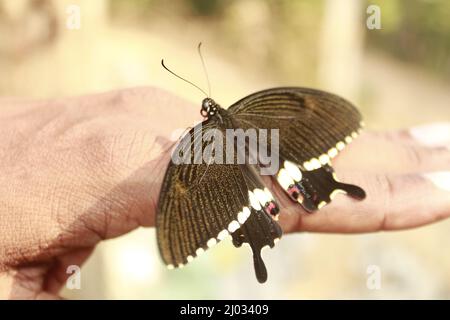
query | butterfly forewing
(311,122)
(201,204)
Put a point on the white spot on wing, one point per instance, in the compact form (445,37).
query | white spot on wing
(211,242)
(284,179)
(246,210)
(293,170)
(222,234)
(340,145)
(190,258)
(334,176)
(308,166)
(335,192)
(268,193)
(233,226)
(321,204)
(332,153)
(243,215)
(261,196)
(324,159)
(199,251)
(254,201)
(315,164)
(170,266)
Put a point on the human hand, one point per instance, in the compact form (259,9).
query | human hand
(78,171)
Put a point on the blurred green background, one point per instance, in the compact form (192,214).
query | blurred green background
(398,75)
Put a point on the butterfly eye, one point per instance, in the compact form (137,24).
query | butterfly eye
(204,113)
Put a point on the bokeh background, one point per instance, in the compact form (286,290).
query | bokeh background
(398,75)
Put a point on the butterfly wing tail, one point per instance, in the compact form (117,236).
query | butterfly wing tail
(315,188)
(353,191)
(259,231)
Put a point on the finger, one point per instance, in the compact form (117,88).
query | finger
(25,283)
(393,202)
(436,134)
(431,135)
(391,154)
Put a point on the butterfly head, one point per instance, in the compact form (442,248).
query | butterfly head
(209,108)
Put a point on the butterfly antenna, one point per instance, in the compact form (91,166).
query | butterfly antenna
(179,77)
(199,48)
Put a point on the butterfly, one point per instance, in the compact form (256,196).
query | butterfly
(201,204)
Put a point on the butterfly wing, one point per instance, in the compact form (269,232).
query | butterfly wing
(314,126)
(201,204)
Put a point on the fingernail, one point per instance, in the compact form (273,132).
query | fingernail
(440,179)
(433,135)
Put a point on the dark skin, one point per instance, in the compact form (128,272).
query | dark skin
(81,170)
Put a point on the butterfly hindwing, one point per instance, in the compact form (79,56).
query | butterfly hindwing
(315,188)
(314,126)
(260,230)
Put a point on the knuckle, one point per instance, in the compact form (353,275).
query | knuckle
(385,189)
(414,155)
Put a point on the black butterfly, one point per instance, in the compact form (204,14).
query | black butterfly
(201,204)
